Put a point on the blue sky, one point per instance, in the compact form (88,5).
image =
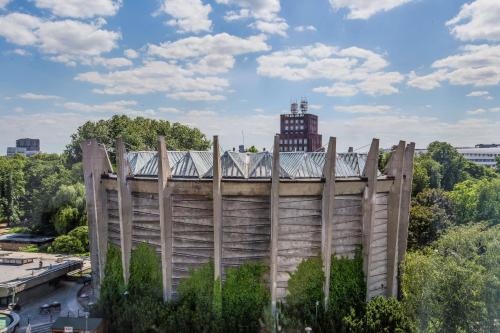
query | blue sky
(419,70)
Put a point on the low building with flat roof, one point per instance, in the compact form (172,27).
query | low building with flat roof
(79,325)
(21,271)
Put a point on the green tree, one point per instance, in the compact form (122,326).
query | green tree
(252,149)
(453,164)
(381,315)
(244,298)
(305,298)
(12,188)
(421,179)
(112,294)
(82,234)
(138,133)
(67,245)
(497,167)
(454,286)
(465,201)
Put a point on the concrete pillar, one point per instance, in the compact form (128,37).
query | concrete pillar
(95,163)
(217,211)
(394,169)
(124,206)
(275,201)
(328,205)
(166,227)
(369,207)
(404,217)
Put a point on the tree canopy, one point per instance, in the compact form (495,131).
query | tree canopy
(138,133)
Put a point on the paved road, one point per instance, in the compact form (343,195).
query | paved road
(66,294)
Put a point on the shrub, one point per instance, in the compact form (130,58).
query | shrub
(381,315)
(82,234)
(194,309)
(29,248)
(244,298)
(67,245)
(65,219)
(305,298)
(347,288)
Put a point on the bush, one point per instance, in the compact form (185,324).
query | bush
(82,234)
(305,289)
(65,219)
(29,248)
(244,298)
(381,315)
(347,288)
(305,298)
(66,244)
(194,311)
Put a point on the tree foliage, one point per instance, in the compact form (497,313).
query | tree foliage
(139,134)
(455,285)
(66,244)
(12,188)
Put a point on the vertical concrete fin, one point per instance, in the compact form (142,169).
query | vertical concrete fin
(217,210)
(88,157)
(394,169)
(124,206)
(164,205)
(404,217)
(328,208)
(369,202)
(275,201)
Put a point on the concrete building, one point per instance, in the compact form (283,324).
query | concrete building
(299,130)
(278,208)
(21,272)
(481,155)
(25,146)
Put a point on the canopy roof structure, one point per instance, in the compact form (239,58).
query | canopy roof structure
(293,165)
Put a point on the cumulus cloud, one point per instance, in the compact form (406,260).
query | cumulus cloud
(131,54)
(363,108)
(80,8)
(478,20)
(364,9)
(38,97)
(302,28)
(66,41)
(121,106)
(476,65)
(352,70)
(187,69)
(265,14)
(482,110)
(188,15)
(4,3)
(480,93)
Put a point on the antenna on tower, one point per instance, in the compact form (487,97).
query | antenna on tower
(294,108)
(304,105)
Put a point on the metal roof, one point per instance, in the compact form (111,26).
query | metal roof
(293,165)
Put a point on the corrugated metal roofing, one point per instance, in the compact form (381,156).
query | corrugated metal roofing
(293,165)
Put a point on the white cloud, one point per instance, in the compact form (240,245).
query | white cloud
(169,110)
(66,41)
(302,28)
(18,109)
(188,15)
(200,113)
(478,20)
(481,111)
(121,106)
(477,111)
(277,26)
(264,12)
(4,3)
(478,94)
(351,70)
(39,97)
(315,106)
(196,96)
(131,54)
(80,8)
(363,108)
(259,110)
(21,52)
(476,65)
(190,68)
(364,9)
(221,44)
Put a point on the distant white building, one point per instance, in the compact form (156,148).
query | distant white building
(481,156)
